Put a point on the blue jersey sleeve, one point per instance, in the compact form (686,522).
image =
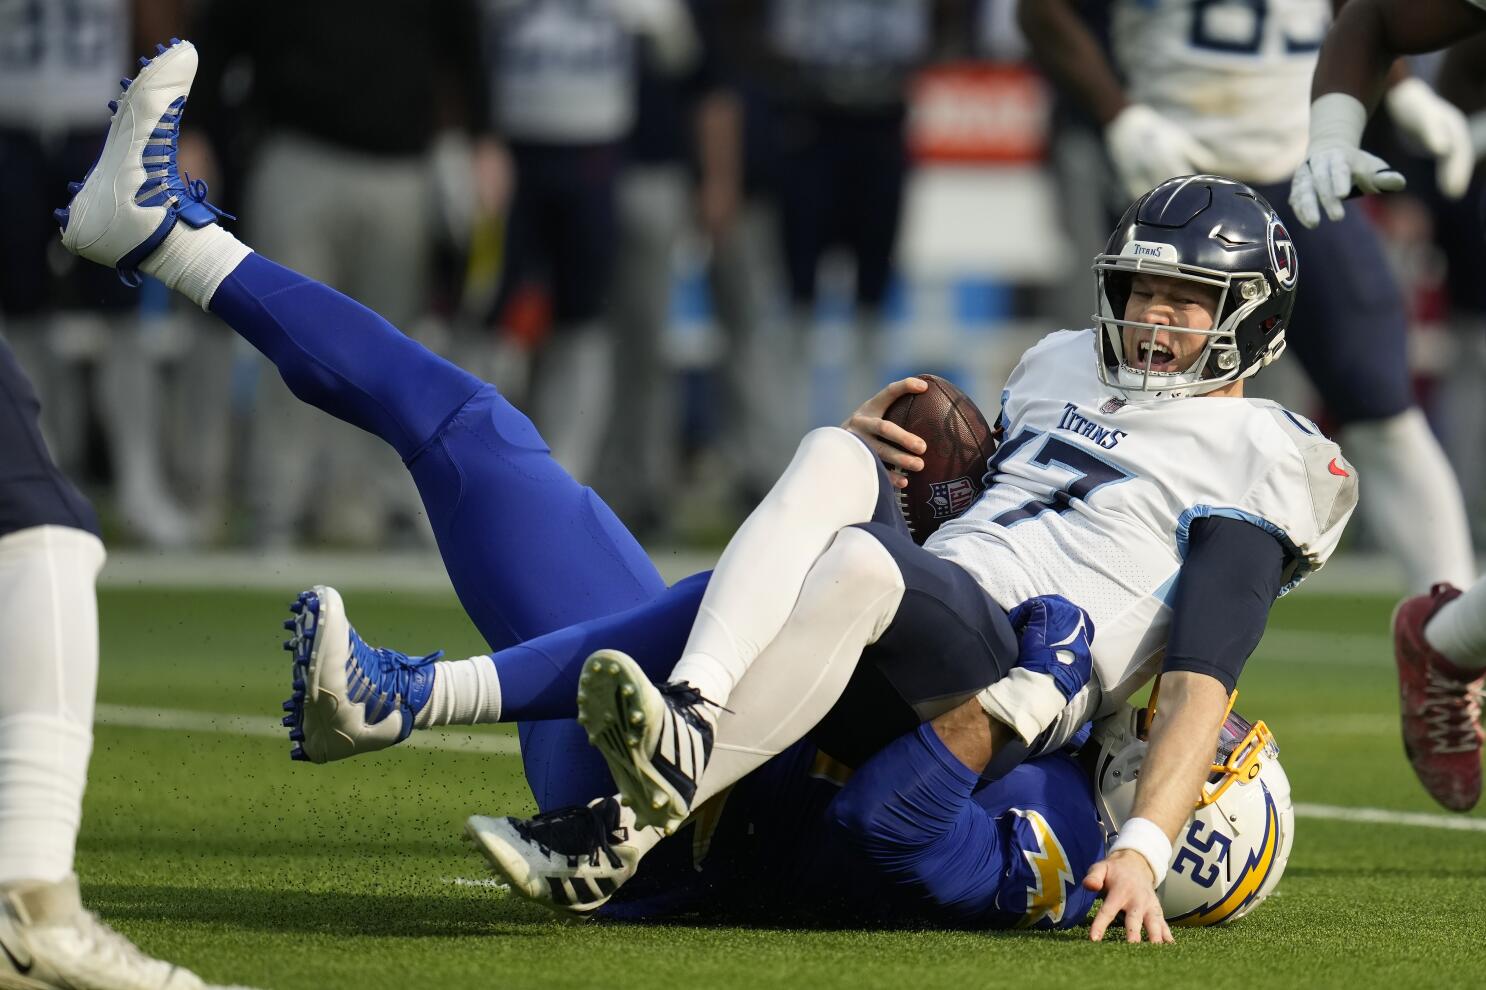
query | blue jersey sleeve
(952,849)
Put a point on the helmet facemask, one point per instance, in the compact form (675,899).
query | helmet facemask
(1220,361)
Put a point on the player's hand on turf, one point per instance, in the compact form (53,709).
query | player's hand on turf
(1147,149)
(1127,885)
(1439,128)
(896,446)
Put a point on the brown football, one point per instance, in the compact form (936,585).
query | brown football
(959,441)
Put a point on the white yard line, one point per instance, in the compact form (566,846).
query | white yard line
(1382,816)
(176,720)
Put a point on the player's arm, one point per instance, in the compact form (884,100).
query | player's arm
(1145,147)
(1355,61)
(1232,574)
(896,447)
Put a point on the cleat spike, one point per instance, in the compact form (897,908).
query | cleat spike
(289,645)
(288,721)
(297,735)
(613,667)
(298,753)
(73,187)
(658,800)
(143,61)
(61,216)
(636,717)
(174,42)
(632,740)
(296,607)
(289,623)
(626,690)
(160,49)
(291,704)
(596,665)
(113,106)
(124,83)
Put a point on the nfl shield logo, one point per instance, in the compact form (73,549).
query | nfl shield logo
(950,498)
(1113,404)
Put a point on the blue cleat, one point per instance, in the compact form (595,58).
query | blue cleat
(135,195)
(349,698)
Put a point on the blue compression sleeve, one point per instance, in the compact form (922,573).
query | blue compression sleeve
(539,678)
(1230,578)
(908,812)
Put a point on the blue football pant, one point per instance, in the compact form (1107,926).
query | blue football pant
(528,549)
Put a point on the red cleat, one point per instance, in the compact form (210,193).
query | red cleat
(1440,705)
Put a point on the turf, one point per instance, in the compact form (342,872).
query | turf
(215,850)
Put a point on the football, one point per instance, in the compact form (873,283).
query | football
(959,441)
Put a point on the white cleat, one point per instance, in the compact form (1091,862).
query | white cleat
(48,942)
(571,860)
(656,739)
(349,698)
(134,194)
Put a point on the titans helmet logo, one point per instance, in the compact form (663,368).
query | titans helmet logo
(1282,254)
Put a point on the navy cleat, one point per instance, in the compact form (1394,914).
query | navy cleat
(656,739)
(570,860)
(134,195)
(349,698)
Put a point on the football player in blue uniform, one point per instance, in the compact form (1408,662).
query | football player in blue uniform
(826,554)
(1439,637)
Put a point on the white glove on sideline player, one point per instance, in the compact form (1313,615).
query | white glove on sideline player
(1439,128)
(1147,149)
(1334,162)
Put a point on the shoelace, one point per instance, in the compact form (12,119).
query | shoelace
(583,830)
(384,672)
(1452,709)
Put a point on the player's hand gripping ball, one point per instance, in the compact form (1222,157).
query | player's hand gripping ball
(935,441)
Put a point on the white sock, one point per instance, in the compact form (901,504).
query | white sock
(1411,499)
(1458,629)
(465,692)
(830,484)
(846,602)
(195,260)
(49,668)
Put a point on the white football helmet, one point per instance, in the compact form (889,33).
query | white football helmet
(1232,851)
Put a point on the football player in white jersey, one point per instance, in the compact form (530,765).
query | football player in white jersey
(1440,637)
(1216,85)
(1109,486)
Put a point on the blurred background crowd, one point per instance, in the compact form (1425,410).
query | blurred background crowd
(677,232)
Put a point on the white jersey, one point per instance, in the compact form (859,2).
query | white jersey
(565,72)
(1236,74)
(61,62)
(1092,498)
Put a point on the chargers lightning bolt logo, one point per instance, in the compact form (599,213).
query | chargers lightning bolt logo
(1048,897)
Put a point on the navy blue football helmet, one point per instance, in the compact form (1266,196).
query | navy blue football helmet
(1216,232)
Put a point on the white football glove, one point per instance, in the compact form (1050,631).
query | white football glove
(1147,149)
(1334,162)
(1439,128)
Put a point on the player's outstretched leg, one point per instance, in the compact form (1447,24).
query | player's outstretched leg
(1440,695)
(570,860)
(352,698)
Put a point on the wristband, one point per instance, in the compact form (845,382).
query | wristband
(1146,837)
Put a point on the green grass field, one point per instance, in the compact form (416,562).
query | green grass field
(213,849)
